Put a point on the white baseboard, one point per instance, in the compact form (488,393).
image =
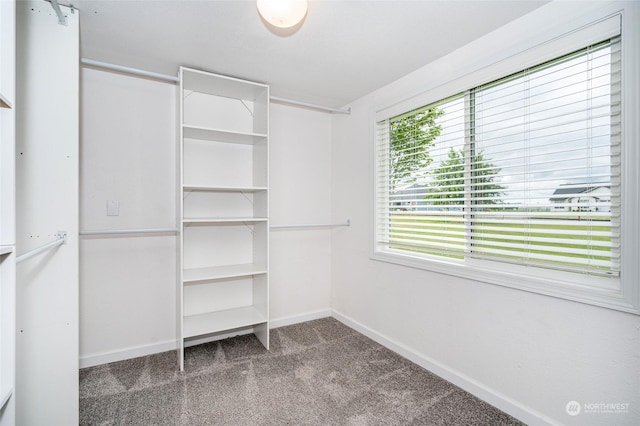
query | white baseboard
(295,319)
(498,400)
(134,352)
(128,353)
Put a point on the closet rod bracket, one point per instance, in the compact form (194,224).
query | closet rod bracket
(63,236)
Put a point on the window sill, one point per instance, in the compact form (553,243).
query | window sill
(508,276)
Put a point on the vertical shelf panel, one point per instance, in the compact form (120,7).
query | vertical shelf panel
(7,212)
(224,280)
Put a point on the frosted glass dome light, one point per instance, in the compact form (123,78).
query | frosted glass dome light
(282,13)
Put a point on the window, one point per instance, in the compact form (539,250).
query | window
(518,178)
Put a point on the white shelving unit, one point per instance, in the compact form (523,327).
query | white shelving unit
(224,280)
(7,212)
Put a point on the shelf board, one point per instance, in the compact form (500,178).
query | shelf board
(6,250)
(219,85)
(222,272)
(223,188)
(4,103)
(223,219)
(215,322)
(5,397)
(218,135)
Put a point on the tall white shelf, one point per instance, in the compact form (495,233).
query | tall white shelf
(224,169)
(7,212)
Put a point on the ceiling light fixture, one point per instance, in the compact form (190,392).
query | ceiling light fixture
(282,13)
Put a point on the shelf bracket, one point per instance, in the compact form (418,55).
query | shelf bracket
(249,227)
(248,109)
(62,20)
(244,194)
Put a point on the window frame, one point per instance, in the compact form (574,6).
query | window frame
(625,296)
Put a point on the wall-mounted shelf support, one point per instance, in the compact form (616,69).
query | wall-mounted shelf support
(248,109)
(62,20)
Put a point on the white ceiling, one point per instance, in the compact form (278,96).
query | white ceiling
(342,50)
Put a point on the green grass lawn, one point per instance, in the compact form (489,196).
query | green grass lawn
(580,238)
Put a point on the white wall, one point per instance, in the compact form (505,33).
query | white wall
(526,353)
(300,190)
(128,283)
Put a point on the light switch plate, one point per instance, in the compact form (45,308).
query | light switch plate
(113,208)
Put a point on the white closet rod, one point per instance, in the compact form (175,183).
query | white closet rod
(127,70)
(280,100)
(327,225)
(130,231)
(174,79)
(173,230)
(61,239)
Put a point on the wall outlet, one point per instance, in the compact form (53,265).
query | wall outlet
(113,208)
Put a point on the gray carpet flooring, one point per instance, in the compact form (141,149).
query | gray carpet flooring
(317,373)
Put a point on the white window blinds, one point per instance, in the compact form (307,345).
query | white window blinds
(524,170)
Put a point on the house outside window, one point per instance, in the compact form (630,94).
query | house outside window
(582,197)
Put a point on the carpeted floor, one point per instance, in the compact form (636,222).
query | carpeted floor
(317,373)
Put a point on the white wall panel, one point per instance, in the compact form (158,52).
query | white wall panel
(47,127)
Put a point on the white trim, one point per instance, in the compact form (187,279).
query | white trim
(127,353)
(630,236)
(496,399)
